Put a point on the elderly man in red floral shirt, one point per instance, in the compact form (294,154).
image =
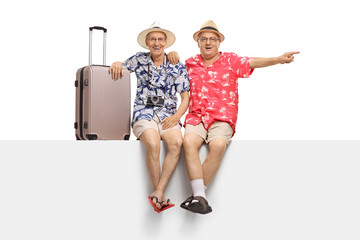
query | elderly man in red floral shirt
(213,107)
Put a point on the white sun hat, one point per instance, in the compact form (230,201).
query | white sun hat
(156,27)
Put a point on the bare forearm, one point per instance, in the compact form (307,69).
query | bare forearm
(258,62)
(183,105)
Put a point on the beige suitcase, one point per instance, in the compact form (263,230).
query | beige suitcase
(102,104)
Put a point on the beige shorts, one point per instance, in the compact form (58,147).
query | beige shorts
(216,130)
(140,126)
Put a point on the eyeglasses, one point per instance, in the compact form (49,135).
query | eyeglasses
(212,40)
(153,40)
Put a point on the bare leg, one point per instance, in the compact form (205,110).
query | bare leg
(196,203)
(174,141)
(151,140)
(211,164)
(192,143)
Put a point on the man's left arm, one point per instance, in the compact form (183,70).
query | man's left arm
(173,57)
(169,122)
(287,57)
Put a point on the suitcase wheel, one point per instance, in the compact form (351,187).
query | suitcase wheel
(91,136)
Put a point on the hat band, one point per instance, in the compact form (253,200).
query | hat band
(153,28)
(209,28)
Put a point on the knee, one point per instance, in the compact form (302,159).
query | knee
(153,146)
(188,142)
(218,146)
(175,145)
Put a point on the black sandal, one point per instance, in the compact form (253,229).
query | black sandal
(184,205)
(201,206)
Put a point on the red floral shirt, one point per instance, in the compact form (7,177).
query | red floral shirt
(214,89)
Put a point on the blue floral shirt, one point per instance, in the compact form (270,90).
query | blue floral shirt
(173,77)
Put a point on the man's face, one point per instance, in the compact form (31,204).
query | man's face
(156,41)
(209,44)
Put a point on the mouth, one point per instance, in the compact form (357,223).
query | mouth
(156,48)
(208,47)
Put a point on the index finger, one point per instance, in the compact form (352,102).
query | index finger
(292,53)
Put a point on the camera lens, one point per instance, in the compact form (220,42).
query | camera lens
(155,99)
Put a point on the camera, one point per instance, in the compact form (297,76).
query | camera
(155,101)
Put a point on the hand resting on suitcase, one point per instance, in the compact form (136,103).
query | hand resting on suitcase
(116,70)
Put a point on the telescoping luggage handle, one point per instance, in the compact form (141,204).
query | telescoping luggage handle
(90,43)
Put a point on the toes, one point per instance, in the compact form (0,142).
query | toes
(155,200)
(163,204)
(166,203)
(158,205)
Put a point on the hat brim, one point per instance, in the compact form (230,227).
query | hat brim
(170,37)
(195,36)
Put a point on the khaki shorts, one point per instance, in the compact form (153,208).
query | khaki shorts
(216,130)
(140,126)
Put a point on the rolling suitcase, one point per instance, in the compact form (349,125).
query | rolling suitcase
(102,104)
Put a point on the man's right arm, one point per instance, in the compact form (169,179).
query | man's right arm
(116,70)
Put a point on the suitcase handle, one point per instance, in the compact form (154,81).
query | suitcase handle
(90,43)
(97,28)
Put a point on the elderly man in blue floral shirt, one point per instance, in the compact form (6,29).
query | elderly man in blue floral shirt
(155,115)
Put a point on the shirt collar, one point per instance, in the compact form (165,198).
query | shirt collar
(146,59)
(198,59)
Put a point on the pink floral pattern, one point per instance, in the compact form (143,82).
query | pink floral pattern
(214,89)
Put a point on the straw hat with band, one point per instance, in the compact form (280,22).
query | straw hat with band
(209,26)
(156,27)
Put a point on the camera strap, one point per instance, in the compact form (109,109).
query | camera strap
(148,80)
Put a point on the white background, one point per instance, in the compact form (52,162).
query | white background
(43,43)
